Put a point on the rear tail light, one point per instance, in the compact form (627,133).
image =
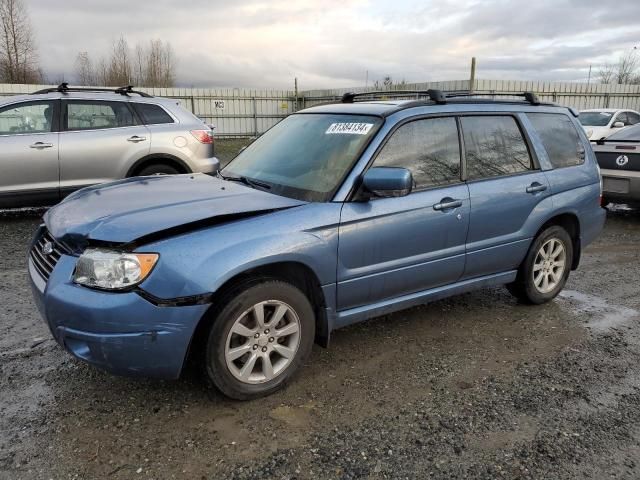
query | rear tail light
(203,136)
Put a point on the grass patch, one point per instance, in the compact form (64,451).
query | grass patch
(227,148)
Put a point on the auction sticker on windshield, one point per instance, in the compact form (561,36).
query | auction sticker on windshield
(349,128)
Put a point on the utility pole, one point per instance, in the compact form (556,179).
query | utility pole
(589,77)
(472,77)
(366,79)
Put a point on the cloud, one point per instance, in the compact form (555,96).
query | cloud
(333,43)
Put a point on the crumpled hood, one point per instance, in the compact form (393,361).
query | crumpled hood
(128,210)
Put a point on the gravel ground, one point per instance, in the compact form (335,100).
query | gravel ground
(474,387)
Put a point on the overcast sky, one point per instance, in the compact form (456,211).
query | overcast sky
(333,43)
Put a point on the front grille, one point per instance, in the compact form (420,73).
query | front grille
(44,261)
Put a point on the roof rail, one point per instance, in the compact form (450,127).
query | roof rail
(530,97)
(64,88)
(440,97)
(435,95)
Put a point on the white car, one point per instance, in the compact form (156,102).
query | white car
(599,123)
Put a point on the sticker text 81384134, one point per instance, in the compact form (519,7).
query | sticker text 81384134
(349,128)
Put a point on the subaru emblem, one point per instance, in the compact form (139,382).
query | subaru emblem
(47,248)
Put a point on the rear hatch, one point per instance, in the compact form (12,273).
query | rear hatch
(618,155)
(617,160)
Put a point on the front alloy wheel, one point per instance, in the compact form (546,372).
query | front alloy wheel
(262,342)
(259,338)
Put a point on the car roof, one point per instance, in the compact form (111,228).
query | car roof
(89,95)
(389,107)
(607,110)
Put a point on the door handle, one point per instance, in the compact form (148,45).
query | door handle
(536,187)
(41,145)
(447,204)
(136,139)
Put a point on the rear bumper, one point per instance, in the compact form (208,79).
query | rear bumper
(621,185)
(205,165)
(118,332)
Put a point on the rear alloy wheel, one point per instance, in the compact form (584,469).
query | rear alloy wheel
(259,339)
(549,265)
(544,271)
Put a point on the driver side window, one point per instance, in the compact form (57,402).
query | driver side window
(429,148)
(25,118)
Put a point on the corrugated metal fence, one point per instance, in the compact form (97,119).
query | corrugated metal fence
(247,112)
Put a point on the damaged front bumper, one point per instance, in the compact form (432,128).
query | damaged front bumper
(121,332)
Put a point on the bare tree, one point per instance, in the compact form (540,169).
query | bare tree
(624,71)
(606,73)
(626,67)
(18,55)
(159,65)
(85,71)
(151,66)
(120,71)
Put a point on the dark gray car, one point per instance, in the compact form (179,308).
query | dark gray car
(619,160)
(58,140)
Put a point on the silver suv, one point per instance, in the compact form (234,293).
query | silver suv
(57,140)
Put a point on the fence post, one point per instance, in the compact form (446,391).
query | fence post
(193,105)
(472,78)
(606,99)
(255,115)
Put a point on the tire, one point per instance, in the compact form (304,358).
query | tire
(231,349)
(531,289)
(157,169)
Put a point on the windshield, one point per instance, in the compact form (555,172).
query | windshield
(630,133)
(595,119)
(306,156)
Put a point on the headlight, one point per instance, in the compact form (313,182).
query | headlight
(589,133)
(113,270)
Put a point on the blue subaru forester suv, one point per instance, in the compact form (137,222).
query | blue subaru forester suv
(337,214)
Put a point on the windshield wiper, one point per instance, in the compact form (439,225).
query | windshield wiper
(247,181)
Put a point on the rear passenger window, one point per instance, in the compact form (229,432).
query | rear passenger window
(92,115)
(494,146)
(633,118)
(152,114)
(559,137)
(429,148)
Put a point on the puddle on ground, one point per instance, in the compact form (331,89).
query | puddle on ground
(600,316)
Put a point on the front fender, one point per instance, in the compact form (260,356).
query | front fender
(200,262)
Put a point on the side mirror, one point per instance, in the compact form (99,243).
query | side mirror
(388,181)
(617,125)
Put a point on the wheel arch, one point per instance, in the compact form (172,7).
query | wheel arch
(571,223)
(155,158)
(294,272)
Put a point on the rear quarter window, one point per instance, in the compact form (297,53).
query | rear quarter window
(152,114)
(559,137)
